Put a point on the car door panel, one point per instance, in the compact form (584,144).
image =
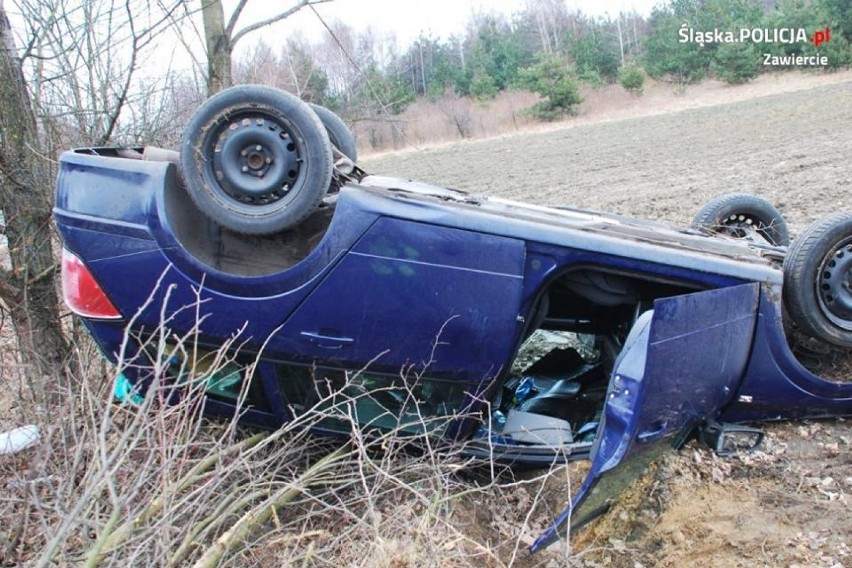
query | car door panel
(415,294)
(680,364)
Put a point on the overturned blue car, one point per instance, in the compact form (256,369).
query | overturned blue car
(527,334)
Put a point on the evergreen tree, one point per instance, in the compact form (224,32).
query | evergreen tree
(497,55)
(553,80)
(736,63)
(595,53)
(665,56)
(632,78)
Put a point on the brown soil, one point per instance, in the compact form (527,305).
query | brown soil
(792,148)
(787,505)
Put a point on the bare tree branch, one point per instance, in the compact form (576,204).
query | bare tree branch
(232,23)
(122,97)
(263,23)
(174,24)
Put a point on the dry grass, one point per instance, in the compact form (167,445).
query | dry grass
(156,484)
(446,119)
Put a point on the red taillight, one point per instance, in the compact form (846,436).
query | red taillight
(81,292)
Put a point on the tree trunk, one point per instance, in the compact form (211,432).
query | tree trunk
(221,37)
(26,196)
(219,47)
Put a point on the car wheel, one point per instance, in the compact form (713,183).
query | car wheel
(338,132)
(743,216)
(818,280)
(255,159)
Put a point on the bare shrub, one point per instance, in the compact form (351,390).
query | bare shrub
(458,111)
(447,118)
(157,484)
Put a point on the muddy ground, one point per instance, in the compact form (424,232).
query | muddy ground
(787,505)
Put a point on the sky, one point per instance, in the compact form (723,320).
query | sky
(407,18)
(404,19)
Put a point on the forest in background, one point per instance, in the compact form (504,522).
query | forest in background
(532,65)
(546,49)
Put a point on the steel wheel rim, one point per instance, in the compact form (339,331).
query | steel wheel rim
(258,161)
(834,285)
(742,226)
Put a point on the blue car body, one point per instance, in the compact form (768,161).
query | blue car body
(407,275)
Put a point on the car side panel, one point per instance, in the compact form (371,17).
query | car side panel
(776,385)
(412,294)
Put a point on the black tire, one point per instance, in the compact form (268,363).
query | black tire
(818,280)
(338,132)
(255,159)
(743,215)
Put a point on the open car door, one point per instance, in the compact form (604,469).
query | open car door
(680,364)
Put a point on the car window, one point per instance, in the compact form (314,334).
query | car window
(407,405)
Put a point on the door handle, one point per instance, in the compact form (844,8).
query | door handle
(327,341)
(649,435)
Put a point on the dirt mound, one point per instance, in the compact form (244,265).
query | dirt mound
(785,505)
